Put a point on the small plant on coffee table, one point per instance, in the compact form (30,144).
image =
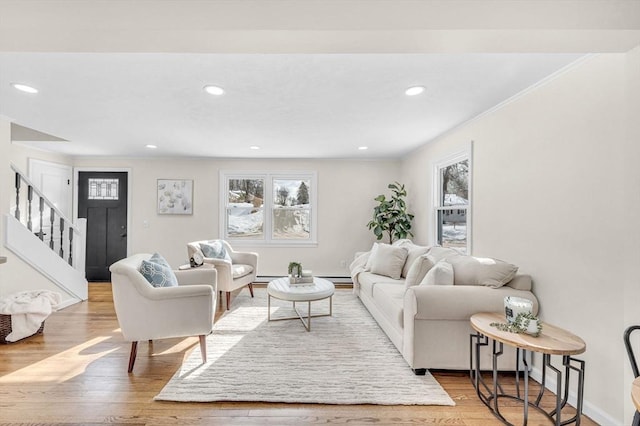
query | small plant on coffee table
(295,269)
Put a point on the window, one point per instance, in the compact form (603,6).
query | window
(103,189)
(452,192)
(269,208)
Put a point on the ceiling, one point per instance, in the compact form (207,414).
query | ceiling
(288,105)
(312,79)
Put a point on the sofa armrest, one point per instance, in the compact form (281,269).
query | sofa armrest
(458,302)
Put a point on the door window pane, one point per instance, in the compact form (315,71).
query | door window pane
(103,189)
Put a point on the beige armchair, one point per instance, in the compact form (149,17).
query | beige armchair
(146,312)
(240,272)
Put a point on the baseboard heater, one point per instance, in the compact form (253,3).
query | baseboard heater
(333,279)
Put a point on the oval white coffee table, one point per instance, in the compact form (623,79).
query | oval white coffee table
(320,289)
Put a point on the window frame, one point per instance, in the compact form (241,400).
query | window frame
(465,154)
(268,207)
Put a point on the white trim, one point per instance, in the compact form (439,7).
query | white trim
(128,170)
(447,160)
(267,209)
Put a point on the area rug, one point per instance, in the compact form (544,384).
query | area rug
(345,359)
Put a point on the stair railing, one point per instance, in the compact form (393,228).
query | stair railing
(61,238)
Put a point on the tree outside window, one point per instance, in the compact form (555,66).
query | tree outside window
(289,205)
(452,207)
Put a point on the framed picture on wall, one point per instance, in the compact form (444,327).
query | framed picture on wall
(175,196)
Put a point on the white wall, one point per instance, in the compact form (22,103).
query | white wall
(16,275)
(555,191)
(346,190)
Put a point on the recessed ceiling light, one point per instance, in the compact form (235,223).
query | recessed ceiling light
(414,90)
(214,90)
(150,146)
(24,88)
(363,148)
(254,147)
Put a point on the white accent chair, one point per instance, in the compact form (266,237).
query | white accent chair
(148,313)
(240,272)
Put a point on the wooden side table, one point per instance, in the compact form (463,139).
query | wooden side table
(635,393)
(552,341)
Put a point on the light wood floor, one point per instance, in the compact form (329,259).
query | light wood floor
(76,374)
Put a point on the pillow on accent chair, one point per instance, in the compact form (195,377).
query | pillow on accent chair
(159,259)
(215,250)
(388,260)
(419,269)
(157,271)
(440,274)
(470,270)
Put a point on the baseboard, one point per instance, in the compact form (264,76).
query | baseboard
(588,409)
(334,279)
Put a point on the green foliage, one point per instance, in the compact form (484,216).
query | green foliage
(390,216)
(295,269)
(519,324)
(303,194)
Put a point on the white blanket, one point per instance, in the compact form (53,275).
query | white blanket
(356,267)
(28,309)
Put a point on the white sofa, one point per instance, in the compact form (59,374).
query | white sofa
(429,322)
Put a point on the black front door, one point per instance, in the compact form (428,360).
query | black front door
(102,200)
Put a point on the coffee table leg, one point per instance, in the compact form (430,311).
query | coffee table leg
(309,316)
(269,308)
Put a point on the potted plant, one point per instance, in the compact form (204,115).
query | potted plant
(390,216)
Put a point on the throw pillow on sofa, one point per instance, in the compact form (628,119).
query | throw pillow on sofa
(419,268)
(388,260)
(440,274)
(374,248)
(413,253)
(470,270)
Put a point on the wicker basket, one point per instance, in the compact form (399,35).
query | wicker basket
(5,328)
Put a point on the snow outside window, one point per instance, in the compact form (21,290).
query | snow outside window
(269,208)
(452,207)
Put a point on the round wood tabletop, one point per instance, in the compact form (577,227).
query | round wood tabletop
(553,340)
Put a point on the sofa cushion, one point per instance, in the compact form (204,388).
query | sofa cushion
(158,274)
(369,281)
(413,252)
(470,270)
(389,299)
(215,250)
(440,274)
(388,260)
(419,269)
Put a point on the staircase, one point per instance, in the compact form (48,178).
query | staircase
(49,242)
